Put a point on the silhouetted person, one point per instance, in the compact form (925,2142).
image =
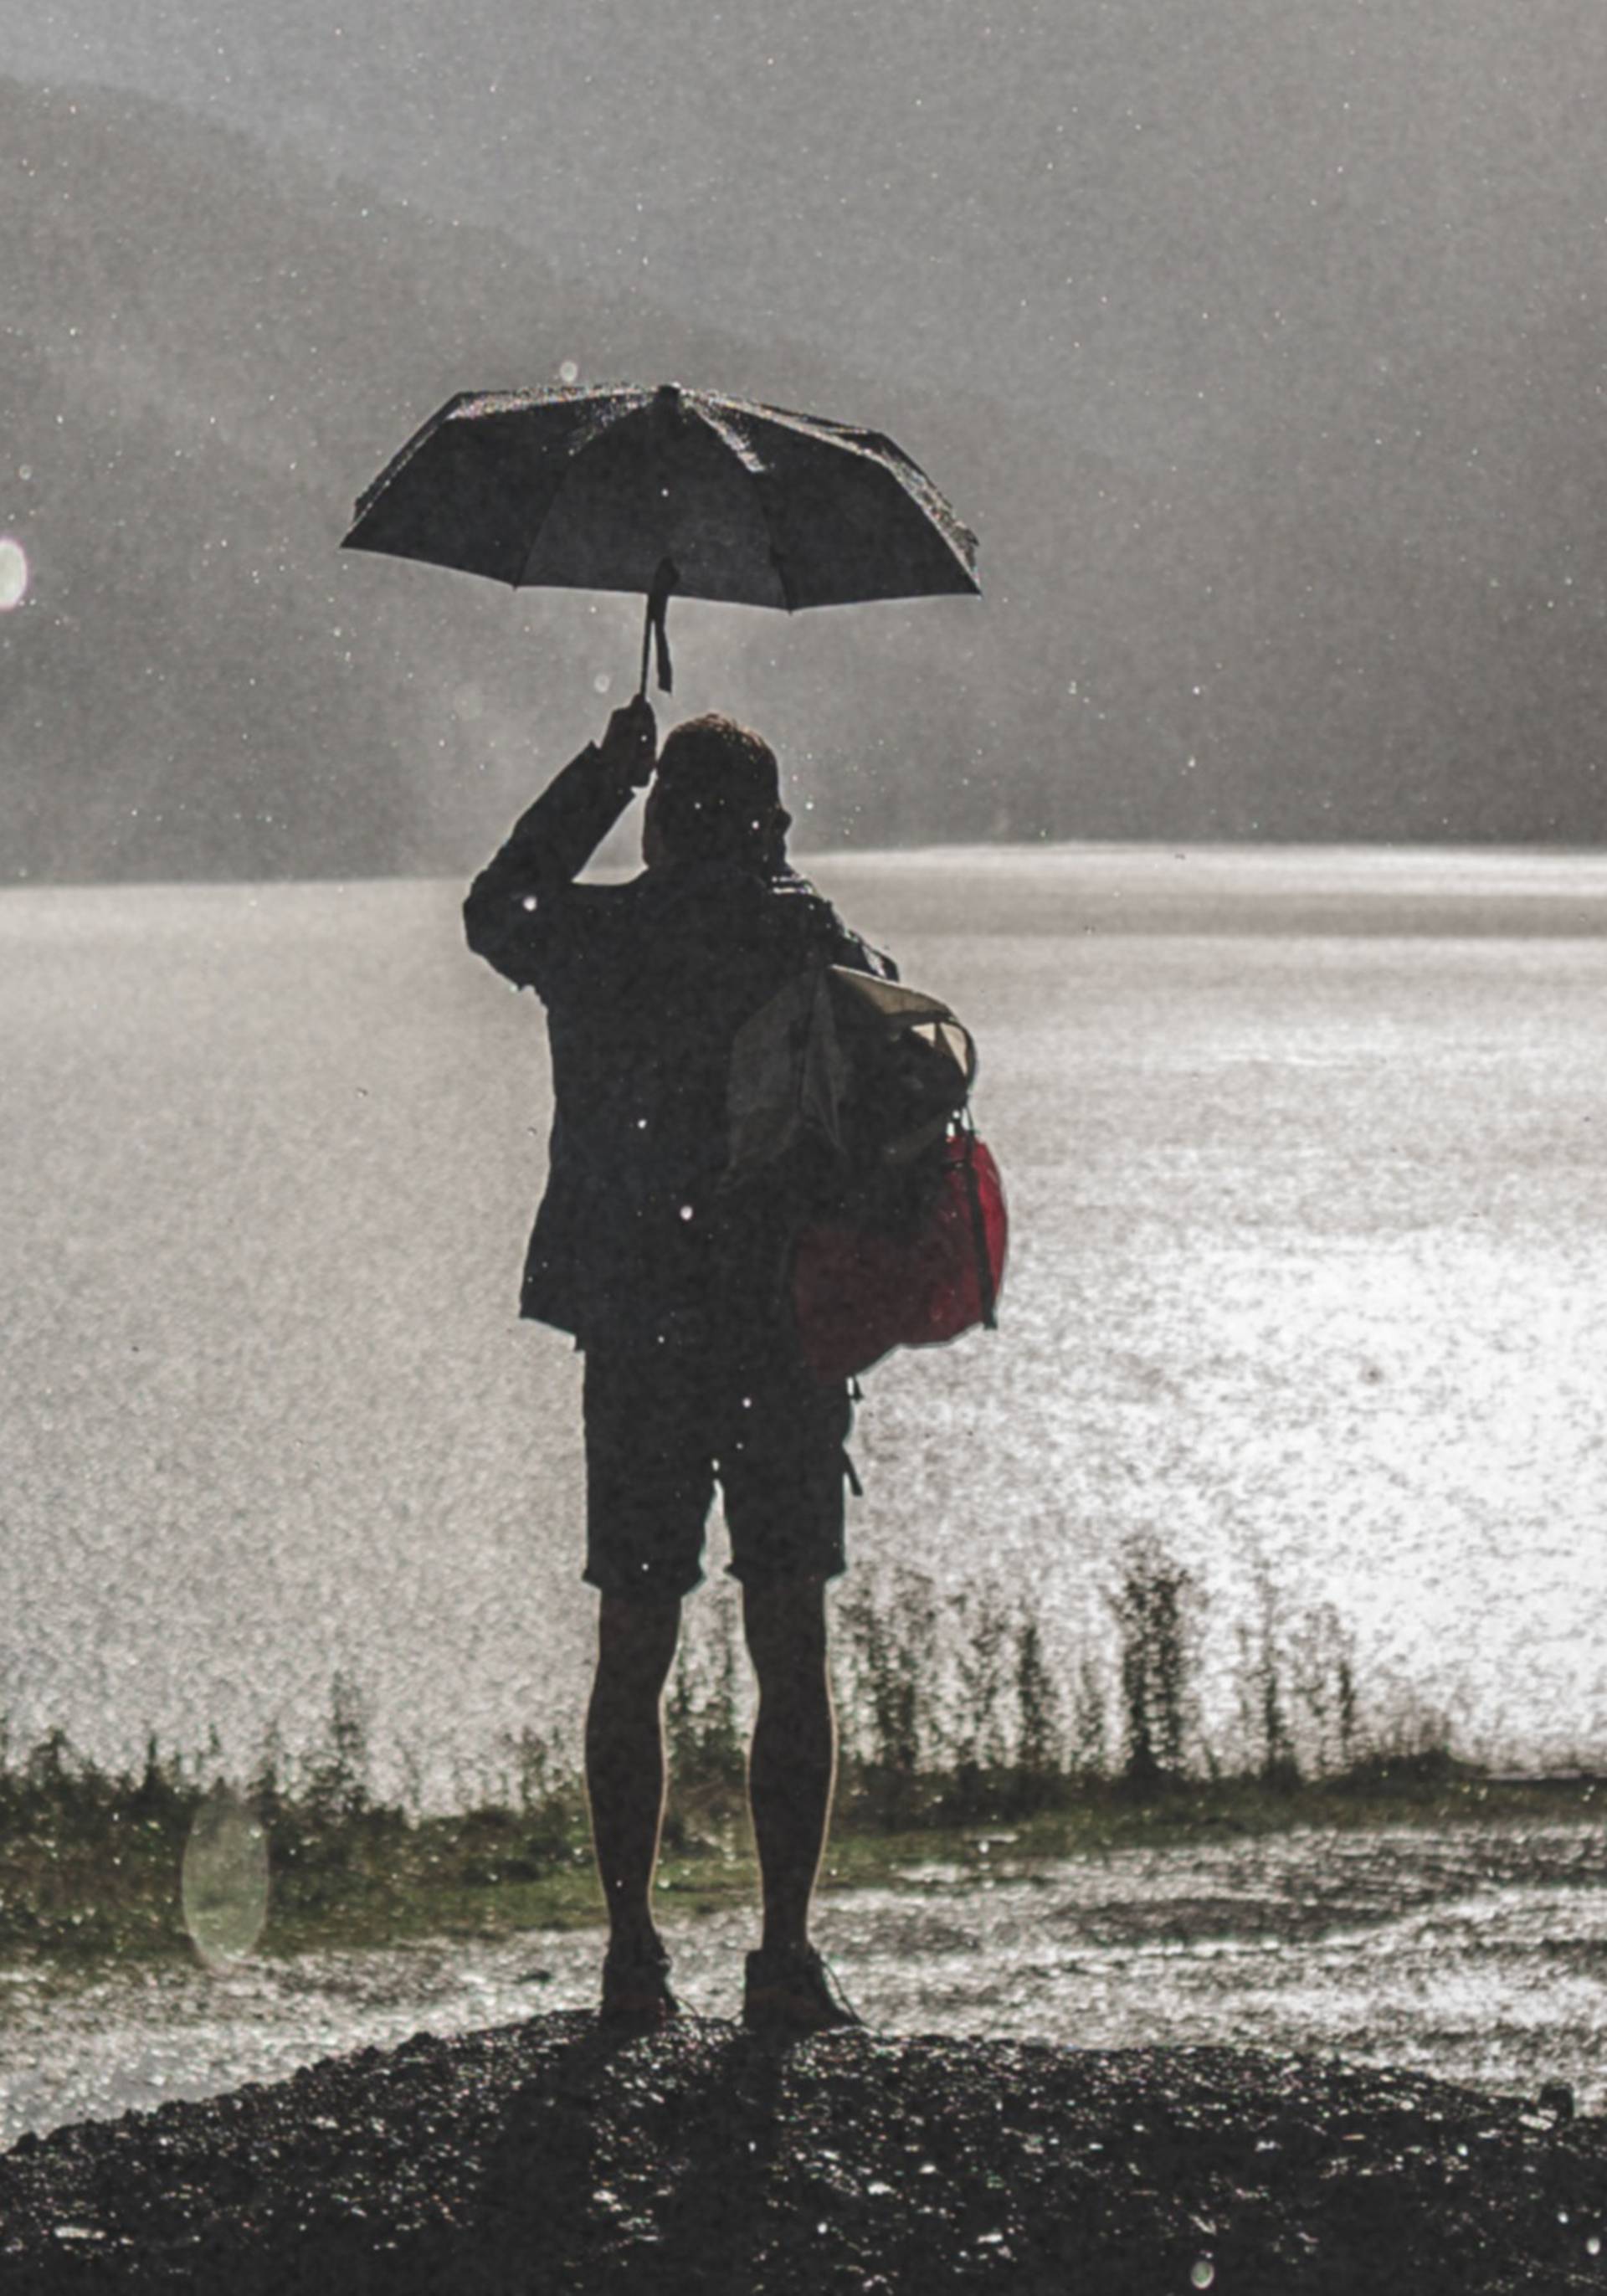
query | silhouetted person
(674,1288)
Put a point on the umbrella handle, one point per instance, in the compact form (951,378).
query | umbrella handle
(653,634)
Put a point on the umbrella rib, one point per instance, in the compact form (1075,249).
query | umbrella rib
(754,464)
(600,420)
(405,455)
(875,447)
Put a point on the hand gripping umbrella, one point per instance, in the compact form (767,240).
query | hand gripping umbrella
(656,491)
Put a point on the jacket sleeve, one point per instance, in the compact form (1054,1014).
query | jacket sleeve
(516,906)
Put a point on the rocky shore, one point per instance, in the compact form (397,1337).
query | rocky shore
(544,2157)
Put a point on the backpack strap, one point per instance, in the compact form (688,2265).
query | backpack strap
(986,1288)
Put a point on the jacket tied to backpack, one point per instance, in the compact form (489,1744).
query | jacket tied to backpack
(851,1093)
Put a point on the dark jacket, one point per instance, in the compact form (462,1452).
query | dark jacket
(645,985)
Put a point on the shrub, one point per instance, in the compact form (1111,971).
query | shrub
(1154,1608)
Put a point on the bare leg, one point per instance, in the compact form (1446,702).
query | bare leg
(625,1768)
(791,1767)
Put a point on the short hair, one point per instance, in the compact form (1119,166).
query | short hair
(717,794)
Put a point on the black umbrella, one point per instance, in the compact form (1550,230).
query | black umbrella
(626,489)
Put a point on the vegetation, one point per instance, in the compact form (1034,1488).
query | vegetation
(959,1739)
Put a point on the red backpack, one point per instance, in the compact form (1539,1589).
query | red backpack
(853,1091)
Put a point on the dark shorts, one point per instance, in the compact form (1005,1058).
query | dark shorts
(663,1422)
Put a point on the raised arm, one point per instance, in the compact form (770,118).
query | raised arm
(508,915)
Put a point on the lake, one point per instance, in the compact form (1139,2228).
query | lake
(1309,1282)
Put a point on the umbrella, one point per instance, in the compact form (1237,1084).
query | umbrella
(658,490)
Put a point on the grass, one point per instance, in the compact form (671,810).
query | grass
(960,1743)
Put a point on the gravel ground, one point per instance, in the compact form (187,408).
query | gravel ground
(545,2156)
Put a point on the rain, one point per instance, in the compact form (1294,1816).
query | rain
(1251,817)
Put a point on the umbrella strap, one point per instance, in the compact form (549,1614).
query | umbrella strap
(654,636)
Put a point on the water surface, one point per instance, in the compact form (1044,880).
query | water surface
(1308,1280)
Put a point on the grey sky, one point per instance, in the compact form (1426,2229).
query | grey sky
(1145,214)
(1262,344)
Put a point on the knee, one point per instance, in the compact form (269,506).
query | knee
(785,1627)
(637,1643)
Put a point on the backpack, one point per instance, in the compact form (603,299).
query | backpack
(849,1095)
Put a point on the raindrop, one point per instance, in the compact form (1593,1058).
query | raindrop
(1593,2246)
(25,471)
(569,371)
(14,573)
(1203,2274)
(602,682)
(685,1211)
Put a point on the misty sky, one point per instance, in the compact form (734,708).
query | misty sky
(1125,209)
(1273,333)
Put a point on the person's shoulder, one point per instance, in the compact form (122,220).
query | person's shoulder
(799,906)
(817,924)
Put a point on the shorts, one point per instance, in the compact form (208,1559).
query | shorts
(663,1422)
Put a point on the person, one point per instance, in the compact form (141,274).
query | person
(674,1287)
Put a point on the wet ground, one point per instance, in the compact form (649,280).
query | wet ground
(551,2156)
(1475,1955)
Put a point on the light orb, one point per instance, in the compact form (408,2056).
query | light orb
(14,573)
(224,1878)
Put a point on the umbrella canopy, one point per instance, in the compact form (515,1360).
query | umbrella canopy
(628,489)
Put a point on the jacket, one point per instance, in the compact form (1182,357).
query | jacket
(645,984)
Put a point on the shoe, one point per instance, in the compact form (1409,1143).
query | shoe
(793,1993)
(636,1988)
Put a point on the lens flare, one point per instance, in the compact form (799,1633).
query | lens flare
(14,573)
(223,1880)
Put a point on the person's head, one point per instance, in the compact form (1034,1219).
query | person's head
(716,797)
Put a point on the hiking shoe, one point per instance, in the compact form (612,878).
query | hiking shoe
(636,1988)
(793,1993)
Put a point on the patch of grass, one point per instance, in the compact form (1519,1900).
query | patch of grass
(961,1747)
(76,1900)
